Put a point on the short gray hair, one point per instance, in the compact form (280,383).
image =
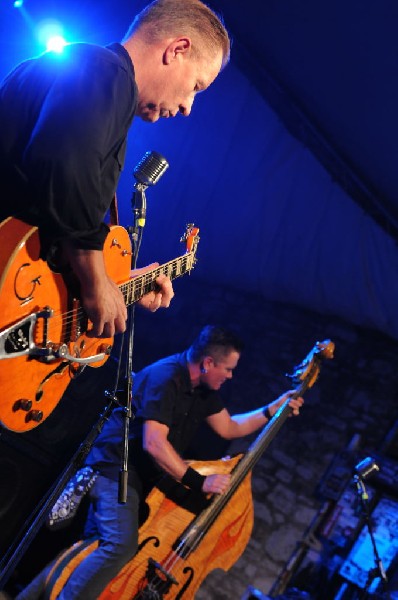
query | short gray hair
(164,18)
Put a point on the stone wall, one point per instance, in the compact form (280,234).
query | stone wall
(356,394)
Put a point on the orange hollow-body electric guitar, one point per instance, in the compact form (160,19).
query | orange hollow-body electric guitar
(43,341)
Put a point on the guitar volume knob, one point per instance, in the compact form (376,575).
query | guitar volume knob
(22,404)
(35,415)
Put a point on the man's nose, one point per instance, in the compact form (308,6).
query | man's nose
(186,107)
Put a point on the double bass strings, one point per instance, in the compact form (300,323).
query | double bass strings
(170,566)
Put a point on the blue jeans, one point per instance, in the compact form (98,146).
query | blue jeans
(116,525)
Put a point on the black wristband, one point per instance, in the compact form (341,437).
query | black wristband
(193,479)
(267,413)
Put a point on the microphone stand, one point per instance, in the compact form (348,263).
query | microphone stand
(378,570)
(147,172)
(139,211)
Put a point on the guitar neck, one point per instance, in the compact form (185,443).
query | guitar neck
(134,289)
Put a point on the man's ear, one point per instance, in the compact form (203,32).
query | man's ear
(176,48)
(207,362)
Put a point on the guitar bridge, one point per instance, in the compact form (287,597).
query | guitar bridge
(17,340)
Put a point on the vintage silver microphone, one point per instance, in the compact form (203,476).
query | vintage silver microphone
(150,168)
(148,172)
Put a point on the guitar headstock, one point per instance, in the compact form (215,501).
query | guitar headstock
(191,237)
(306,373)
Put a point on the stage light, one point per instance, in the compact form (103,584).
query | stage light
(18,3)
(51,35)
(56,43)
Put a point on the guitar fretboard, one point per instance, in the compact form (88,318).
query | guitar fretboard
(136,288)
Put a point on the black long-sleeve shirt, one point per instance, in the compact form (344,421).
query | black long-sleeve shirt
(63,126)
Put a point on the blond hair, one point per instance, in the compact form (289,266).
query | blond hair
(165,18)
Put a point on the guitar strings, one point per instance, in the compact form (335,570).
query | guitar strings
(136,286)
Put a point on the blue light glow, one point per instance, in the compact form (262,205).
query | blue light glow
(51,35)
(56,43)
(18,3)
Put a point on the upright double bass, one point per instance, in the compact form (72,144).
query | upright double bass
(186,534)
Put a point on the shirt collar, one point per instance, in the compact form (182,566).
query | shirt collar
(123,55)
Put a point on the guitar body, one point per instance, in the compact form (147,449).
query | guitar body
(32,385)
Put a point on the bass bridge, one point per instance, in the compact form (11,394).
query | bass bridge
(157,582)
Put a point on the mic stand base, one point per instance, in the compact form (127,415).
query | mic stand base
(378,570)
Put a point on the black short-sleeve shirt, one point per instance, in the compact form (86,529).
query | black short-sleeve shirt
(161,392)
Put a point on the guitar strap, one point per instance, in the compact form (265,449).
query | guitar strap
(65,508)
(113,211)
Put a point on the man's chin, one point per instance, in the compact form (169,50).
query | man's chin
(148,114)
(150,117)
